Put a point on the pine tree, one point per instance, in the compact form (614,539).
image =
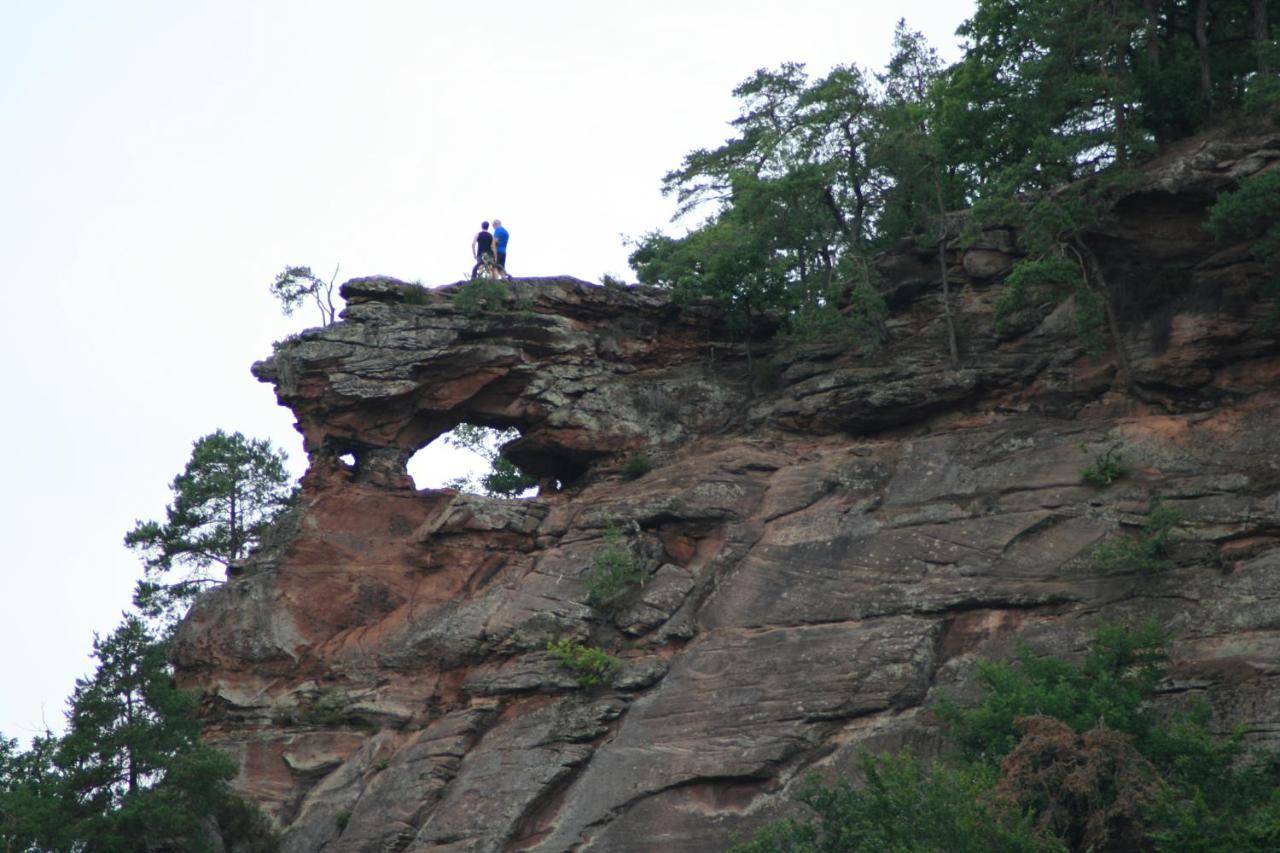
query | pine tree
(231,489)
(131,773)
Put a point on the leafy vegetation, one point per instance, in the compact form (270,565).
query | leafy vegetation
(481,295)
(592,666)
(230,491)
(1107,467)
(822,172)
(504,479)
(615,570)
(903,805)
(1148,552)
(130,773)
(296,285)
(636,466)
(1252,213)
(1055,756)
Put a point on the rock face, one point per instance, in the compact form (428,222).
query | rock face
(823,556)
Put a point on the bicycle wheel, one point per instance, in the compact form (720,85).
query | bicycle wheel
(481,270)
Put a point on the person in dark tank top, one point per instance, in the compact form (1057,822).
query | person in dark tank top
(482,243)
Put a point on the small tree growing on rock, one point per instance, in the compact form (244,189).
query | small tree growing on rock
(615,571)
(296,285)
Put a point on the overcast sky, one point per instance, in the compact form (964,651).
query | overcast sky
(164,160)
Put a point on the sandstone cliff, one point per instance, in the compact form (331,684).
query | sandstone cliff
(823,557)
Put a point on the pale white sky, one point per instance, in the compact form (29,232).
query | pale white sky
(163,161)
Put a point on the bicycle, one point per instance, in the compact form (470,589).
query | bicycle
(487,267)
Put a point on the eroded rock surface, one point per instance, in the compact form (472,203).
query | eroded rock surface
(821,558)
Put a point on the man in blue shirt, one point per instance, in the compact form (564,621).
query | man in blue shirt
(500,237)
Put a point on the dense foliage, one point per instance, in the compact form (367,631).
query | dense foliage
(903,805)
(821,172)
(231,489)
(130,773)
(1055,755)
(591,666)
(1252,214)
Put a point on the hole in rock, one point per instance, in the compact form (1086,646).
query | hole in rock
(348,459)
(469,458)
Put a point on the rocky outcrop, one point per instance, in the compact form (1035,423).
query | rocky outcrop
(824,553)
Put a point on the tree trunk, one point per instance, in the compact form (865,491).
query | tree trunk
(130,758)
(1094,279)
(829,199)
(234,532)
(860,200)
(952,350)
(1261,35)
(1152,9)
(859,211)
(1202,43)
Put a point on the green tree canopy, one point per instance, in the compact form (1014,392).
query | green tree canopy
(231,489)
(503,479)
(296,285)
(131,773)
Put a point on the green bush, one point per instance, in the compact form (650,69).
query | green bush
(1054,756)
(415,294)
(855,313)
(1107,467)
(1262,98)
(1032,288)
(614,572)
(904,806)
(592,666)
(481,295)
(1121,669)
(1253,213)
(1249,212)
(1212,794)
(1148,553)
(636,467)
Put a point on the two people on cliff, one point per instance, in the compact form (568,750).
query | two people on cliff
(486,247)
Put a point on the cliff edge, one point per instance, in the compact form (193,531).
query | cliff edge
(829,539)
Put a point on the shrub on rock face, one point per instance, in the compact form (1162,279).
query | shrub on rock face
(592,666)
(1149,552)
(1109,687)
(903,805)
(1252,213)
(1055,756)
(481,295)
(1107,467)
(636,467)
(615,571)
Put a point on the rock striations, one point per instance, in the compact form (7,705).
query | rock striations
(823,554)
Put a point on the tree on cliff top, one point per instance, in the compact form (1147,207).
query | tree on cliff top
(296,285)
(230,491)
